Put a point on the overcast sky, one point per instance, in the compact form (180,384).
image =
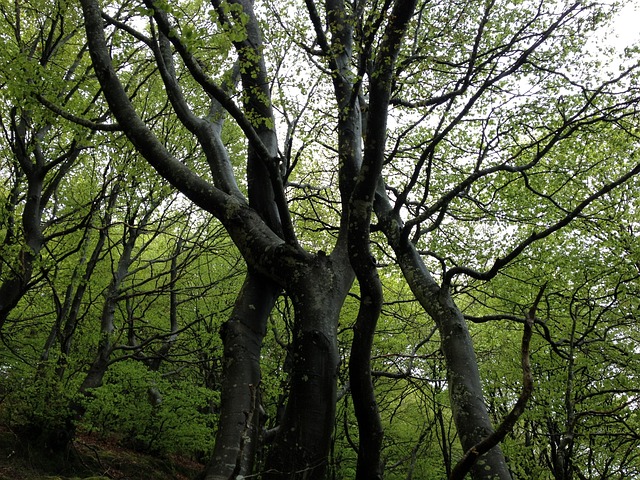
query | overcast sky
(627,25)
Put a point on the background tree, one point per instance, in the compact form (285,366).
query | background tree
(489,141)
(40,152)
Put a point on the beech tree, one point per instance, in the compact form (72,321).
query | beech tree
(317,283)
(458,135)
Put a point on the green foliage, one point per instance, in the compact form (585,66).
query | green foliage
(476,160)
(152,412)
(36,405)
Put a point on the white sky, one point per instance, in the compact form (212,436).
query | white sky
(627,24)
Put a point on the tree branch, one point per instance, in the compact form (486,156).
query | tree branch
(535,236)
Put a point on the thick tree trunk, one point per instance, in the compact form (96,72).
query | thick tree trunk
(302,444)
(239,424)
(101,361)
(316,284)
(469,410)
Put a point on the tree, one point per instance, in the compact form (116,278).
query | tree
(460,124)
(40,153)
(578,422)
(518,146)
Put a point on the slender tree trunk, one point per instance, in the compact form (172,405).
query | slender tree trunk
(72,315)
(465,389)
(32,162)
(369,466)
(469,410)
(16,283)
(99,366)
(101,361)
(68,311)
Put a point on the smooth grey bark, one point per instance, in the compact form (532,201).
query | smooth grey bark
(262,247)
(243,334)
(240,423)
(239,420)
(303,440)
(469,410)
(470,457)
(316,283)
(465,389)
(317,288)
(370,429)
(239,426)
(98,368)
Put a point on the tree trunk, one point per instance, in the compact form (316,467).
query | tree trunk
(316,284)
(463,377)
(31,161)
(239,424)
(16,284)
(369,466)
(469,410)
(100,363)
(73,300)
(302,444)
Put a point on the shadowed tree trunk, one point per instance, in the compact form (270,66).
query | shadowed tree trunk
(302,442)
(101,361)
(369,464)
(239,426)
(43,152)
(42,175)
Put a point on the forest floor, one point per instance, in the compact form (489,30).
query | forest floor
(90,458)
